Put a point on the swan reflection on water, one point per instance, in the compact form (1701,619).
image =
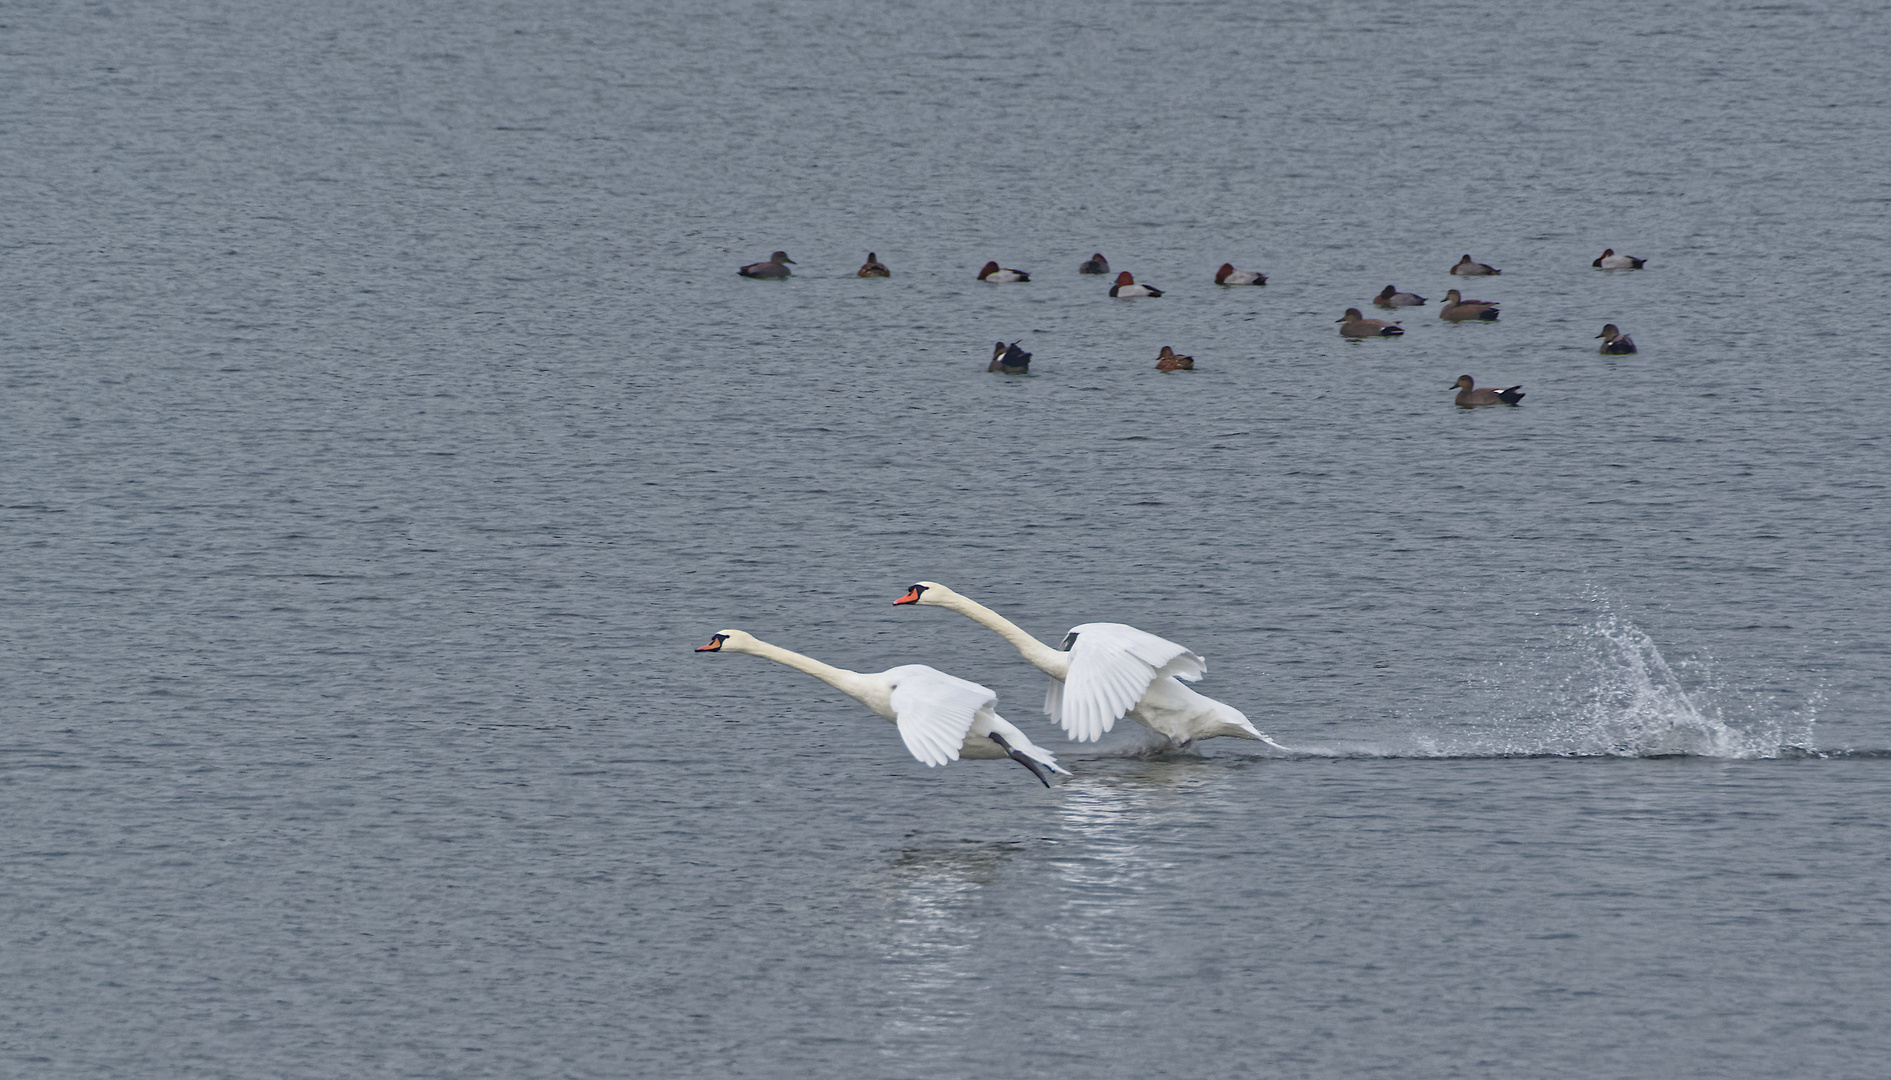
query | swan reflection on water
(932,944)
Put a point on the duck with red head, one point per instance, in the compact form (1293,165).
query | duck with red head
(940,717)
(1127,289)
(1228,275)
(1001,275)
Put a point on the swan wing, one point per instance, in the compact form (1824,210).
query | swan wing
(934,711)
(1111,667)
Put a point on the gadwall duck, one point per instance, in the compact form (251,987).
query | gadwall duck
(873,267)
(1392,298)
(1614,342)
(1095,264)
(1228,275)
(994,272)
(1458,309)
(776,267)
(1356,324)
(1467,268)
(1170,360)
(1470,396)
(1009,360)
(1127,289)
(1609,260)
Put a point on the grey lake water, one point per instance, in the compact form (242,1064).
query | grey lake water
(383,423)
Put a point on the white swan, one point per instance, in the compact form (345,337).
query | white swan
(1107,671)
(941,718)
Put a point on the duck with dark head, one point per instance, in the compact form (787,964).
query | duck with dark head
(1009,360)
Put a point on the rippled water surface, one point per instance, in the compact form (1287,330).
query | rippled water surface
(384,423)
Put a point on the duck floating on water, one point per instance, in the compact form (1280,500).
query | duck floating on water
(1095,264)
(1127,289)
(873,267)
(994,272)
(1356,325)
(1228,275)
(1009,360)
(1470,395)
(1467,268)
(1609,260)
(1392,298)
(1170,360)
(776,267)
(1458,309)
(1614,342)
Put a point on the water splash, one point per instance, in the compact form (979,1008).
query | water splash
(1624,699)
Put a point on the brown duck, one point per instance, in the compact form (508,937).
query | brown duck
(1470,395)
(873,267)
(1458,309)
(1356,325)
(1614,342)
(1170,360)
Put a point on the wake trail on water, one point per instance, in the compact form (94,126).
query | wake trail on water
(1621,699)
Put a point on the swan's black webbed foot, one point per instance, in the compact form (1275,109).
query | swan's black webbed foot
(1021,759)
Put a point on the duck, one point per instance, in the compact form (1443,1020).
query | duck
(1106,671)
(1009,360)
(1228,275)
(873,267)
(1458,309)
(1356,325)
(1614,342)
(1127,289)
(776,267)
(1170,360)
(994,272)
(1392,298)
(940,717)
(1471,396)
(1467,268)
(1609,260)
(1095,264)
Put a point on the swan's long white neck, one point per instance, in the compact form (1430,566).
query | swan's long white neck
(1043,657)
(851,683)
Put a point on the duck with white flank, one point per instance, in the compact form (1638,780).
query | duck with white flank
(1471,396)
(1009,360)
(1095,264)
(1467,268)
(1170,360)
(1609,260)
(873,267)
(994,272)
(775,267)
(1356,325)
(1127,289)
(941,717)
(1458,309)
(1228,275)
(1392,298)
(1106,671)
(1614,342)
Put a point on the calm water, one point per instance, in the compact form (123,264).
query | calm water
(384,422)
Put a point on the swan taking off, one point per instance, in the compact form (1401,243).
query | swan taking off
(941,718)
(1106,671)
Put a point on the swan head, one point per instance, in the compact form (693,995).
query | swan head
(733,640)
(1069,640)
(926,592)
